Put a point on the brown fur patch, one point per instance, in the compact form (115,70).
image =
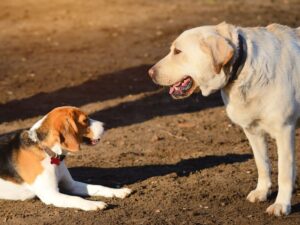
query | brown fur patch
(28,163)
(9,149)
(67,126)
(64,125)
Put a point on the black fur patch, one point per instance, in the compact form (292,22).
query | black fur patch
(41,135)
(25,140)
(9,146)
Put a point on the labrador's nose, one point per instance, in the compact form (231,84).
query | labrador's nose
(152,72)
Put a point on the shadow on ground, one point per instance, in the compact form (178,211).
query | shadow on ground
(129,175)
(108,86)
(156,105)
(111,86)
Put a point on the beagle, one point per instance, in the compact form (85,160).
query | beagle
(32,162)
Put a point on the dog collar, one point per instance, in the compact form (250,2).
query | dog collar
(55,158)
(239,63)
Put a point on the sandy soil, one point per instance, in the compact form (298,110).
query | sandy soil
(186,162)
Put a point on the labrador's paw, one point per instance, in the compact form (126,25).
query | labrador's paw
(258,195)
(279,209)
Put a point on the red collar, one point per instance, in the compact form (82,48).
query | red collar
(57,159)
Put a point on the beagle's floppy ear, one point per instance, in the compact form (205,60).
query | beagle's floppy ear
(69,137)
(219,49)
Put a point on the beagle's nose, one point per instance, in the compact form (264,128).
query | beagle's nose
(151,72)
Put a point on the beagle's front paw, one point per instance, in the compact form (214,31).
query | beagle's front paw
(122,192)
(93,205)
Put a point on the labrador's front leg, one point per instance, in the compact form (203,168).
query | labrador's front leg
(260,151)
(286,160)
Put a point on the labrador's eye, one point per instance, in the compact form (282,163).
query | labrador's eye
(176,51)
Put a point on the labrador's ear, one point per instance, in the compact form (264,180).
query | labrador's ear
(219,50)
(69,136)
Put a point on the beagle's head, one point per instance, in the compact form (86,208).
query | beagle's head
(66,128)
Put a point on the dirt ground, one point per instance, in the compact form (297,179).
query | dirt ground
(186,162)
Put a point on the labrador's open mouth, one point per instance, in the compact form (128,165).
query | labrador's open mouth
(183,88)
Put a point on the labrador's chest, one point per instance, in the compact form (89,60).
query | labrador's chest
(265,113)
(245,114)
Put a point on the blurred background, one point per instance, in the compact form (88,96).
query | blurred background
(187,162)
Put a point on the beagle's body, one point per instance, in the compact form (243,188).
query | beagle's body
(31,164)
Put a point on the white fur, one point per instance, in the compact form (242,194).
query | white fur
(38,123)
(12,191)
(97,128)
(46,188)
(264,99)
(46,185)
(32,131)
(57,149)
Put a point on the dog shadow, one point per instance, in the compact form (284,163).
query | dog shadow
(296,208)
(113,85)
(117,177)
(118,84)
(156,105)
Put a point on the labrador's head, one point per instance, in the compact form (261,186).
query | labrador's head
(195,61)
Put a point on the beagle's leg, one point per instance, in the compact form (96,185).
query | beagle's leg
(12,191)
(45,187)
(259,148)
(79,188)
(285,140)
(55,198)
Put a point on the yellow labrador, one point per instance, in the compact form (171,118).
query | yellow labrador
(258,73)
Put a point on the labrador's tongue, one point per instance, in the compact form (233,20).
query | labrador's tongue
(186,82)
(177,87)
(172,89)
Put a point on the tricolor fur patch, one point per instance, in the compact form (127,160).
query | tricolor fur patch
(31,161)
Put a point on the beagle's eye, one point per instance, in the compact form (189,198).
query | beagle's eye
(86,121)
(176,51)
